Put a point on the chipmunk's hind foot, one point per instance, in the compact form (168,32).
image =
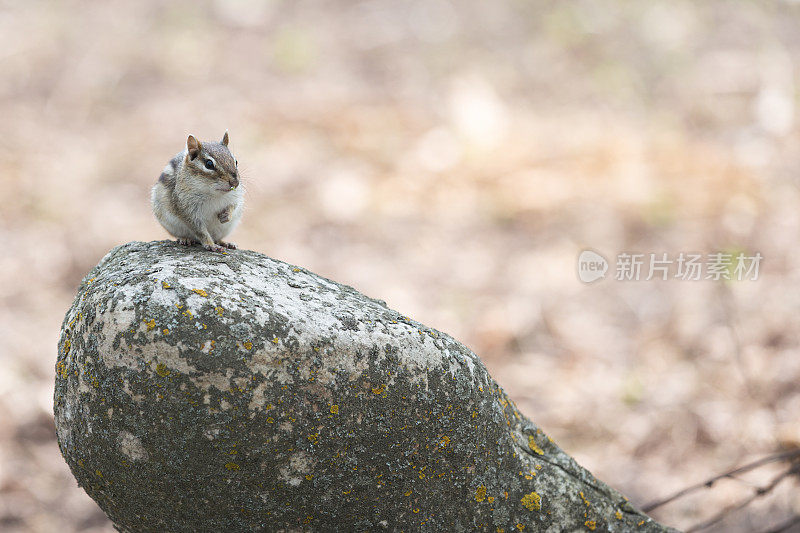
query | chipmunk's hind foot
(187,242)
(214,248)
(228,245)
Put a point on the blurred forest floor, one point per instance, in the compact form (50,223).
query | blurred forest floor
(452,158)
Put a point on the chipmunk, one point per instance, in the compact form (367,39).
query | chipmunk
(198,197)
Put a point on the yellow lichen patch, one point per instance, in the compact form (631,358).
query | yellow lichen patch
(309,477)
(270,420)
(295,269)
(334,409)
(591,524)
(62,370)
(314,437)
(275,340)
(444,441)
(480,494)
(67,345)
(165,331)
(162,370)
(490,499)
(521,527)
(219,310)
(231,466)
(584,499)
(618,515)
(533,446)
(248,345)
(532,501)
(379,390)
(151,324)
(408,493)
(165,285)
(187,313)
(416,510)
(201,292)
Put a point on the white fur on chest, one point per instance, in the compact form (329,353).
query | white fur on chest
(209,210)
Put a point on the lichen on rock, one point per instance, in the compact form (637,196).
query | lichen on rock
(198,391)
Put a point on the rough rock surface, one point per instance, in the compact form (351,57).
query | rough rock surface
(197,391)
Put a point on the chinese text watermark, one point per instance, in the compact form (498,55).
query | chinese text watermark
(683,266)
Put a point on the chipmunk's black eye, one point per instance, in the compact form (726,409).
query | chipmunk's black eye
(236,162)
(209,164)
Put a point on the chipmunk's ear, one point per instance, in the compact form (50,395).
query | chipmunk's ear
(193,146)
(225,138)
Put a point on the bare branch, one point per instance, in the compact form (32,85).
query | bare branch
(776,457)
(760,492)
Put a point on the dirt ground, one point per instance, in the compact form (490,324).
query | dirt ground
(453,159)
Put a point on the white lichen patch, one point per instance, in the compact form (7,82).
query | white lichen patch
(259,399)
(221,382)
(299,465)
(163,297)
(126,388)
(211,433)
(131,447)
(268,362)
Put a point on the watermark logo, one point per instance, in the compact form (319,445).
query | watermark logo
(591,266)
(717,266)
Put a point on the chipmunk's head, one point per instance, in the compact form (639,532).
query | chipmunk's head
(213,162)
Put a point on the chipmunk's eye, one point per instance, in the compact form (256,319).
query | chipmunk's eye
(236,162)
(209,164)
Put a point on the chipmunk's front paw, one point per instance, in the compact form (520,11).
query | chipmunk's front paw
(224,216)
(187,242)
(214,248)
(228,245)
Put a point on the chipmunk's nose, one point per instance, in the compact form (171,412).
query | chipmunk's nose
(234,181)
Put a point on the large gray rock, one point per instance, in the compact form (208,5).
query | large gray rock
(197,391)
